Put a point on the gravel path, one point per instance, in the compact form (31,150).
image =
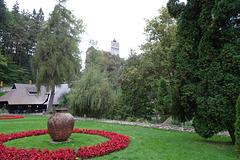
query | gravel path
(160,126)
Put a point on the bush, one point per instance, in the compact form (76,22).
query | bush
(237,127)
(2,111)
(164,100)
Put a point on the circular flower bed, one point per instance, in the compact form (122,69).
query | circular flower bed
(10,117)
(116,143)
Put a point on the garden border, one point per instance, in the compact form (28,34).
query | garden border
(10,117)
(117,142)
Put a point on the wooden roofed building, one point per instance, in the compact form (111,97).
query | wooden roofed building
(23,98)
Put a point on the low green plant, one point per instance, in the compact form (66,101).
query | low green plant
(2,93)
(2,111)
(145,142)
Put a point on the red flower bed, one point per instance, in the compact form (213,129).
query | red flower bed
(10,117)
(116,143)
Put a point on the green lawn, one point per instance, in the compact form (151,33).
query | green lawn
(145,143)
(2,93)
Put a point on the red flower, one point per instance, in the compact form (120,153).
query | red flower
(10,117)
(116,143)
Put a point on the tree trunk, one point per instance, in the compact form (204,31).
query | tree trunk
(232,135)
(50,104)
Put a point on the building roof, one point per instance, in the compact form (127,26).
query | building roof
(25,94)
(59,90)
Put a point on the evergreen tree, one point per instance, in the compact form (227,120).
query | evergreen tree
(3,16)
(57,58)
(207,65)
(18,37)
(175,8)
(219,67)
(9,72)
(185,61)
(163,102)
(19,41)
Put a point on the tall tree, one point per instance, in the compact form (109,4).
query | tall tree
(15,43)
(185,62)
(57,58)
(161,37)
(207,64)
(92,57)
(164,100)
(3,16)
(91,95)
(105,62)
(219,67)
(136,88)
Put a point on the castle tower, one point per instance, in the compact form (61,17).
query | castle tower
(114,47)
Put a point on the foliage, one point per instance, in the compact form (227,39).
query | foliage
(18,36)
(163,102)
(10,73)
(175,8)
(136,86)
(161,37)
(92,57)
(2,93)
(3,16)
(117,142)
(237,127)
(207,65)
(141,73)
(91,95)
(3,110)
(105,62)
(63,101)
(144,141)
(57,58)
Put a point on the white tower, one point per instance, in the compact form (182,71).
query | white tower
(114,47)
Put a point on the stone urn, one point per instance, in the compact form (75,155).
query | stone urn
(60,125)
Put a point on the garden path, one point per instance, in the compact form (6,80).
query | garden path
(160,126)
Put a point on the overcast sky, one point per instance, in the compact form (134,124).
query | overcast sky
(105,20)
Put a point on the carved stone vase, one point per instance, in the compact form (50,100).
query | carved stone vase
(60,125)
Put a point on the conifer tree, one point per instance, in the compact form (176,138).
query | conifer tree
(3,16)
(208,63)
(163,104)
(57,53)
(185,53)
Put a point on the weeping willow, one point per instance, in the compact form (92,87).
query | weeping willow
(91,95)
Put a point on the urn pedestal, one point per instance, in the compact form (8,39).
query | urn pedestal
(60,125)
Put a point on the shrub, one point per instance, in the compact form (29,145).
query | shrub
(164,100)
(3,110)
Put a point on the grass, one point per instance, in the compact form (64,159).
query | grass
(145,143)
(2,93)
